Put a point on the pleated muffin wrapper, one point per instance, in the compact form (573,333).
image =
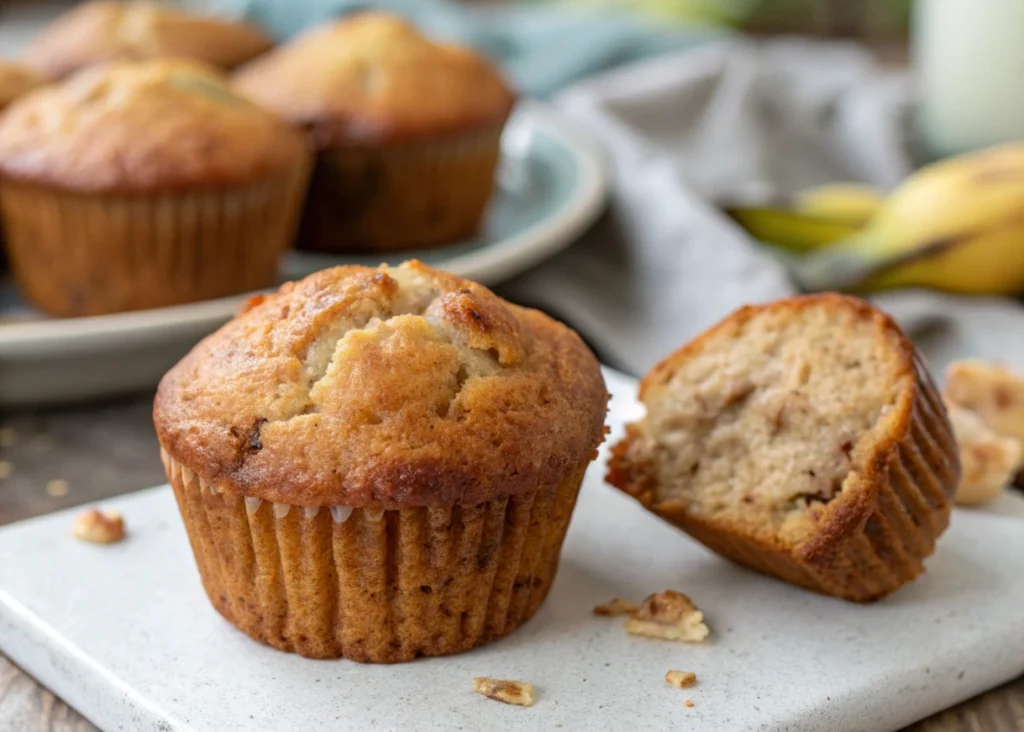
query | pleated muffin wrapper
(78,254)
(910,500)
(379,198)
(370,585)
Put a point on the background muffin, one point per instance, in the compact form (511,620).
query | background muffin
(802,438)
(380,464)
(138,185)
(15,81)
(96,32)
(407,131)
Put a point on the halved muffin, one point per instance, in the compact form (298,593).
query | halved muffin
(802,438)
(110,30)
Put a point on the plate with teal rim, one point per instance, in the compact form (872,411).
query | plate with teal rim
(552,183)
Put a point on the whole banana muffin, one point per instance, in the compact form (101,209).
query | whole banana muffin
(144,184)
(380,463)
(407,131)
(803,438)
(112,30)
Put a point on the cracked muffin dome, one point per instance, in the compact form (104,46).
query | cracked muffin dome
(387,388)
(106,30)
(803,438)
(446,431)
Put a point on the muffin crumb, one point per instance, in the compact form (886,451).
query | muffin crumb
(668,615)
(681,679)
(99,527)
(57,488)
(615,606)
(518,693)
(689,703)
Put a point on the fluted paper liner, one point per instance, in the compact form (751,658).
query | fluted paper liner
(913,499)
(88,254)
(399,196)
(377,586)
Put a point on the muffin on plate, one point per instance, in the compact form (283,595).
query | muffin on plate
(407,132)
(802,438)
(380,463)
(139,185)
(101,31)
(16,80)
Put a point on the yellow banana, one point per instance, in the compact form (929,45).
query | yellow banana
(956,225)
(849,203)
(789,230)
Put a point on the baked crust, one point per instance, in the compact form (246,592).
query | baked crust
(872,536)
(97,32)
(15,81)
(84,135)
(372,78)
(385,388)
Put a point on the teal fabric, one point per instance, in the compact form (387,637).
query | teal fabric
(541,48)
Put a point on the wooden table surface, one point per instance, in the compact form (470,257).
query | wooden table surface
(105,450)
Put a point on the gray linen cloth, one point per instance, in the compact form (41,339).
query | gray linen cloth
(735,120)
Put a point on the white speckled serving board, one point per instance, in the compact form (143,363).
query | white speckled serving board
(124,633)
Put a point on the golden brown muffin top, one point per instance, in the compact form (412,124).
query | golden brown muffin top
(15,81)
(97,32)
(372,77)
(143,127)
(384,388)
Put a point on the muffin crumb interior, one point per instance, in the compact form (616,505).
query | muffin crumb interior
(768,421)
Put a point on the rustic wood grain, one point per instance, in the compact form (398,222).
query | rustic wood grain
(108,449)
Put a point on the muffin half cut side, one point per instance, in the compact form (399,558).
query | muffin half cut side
(804,439)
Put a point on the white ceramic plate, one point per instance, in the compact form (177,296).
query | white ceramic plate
(551,185)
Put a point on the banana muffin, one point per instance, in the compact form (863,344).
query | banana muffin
(139,185)
(407,131)
(97,32)
(380,463)
(802,438)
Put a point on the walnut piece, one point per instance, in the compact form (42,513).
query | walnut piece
(991,390)
(615,606)
(100,527)
(681,679)
(988,461)
(510,692)
(668,615)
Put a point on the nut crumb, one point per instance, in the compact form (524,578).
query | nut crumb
(510,692)
(57,488)
(6,469)
(7,436)
(689,703)
(681,679)
(668,615)
(615,606)
(100,527)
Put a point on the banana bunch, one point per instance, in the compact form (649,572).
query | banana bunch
(956,225)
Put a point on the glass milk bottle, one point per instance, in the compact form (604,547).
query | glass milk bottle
(969,57)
